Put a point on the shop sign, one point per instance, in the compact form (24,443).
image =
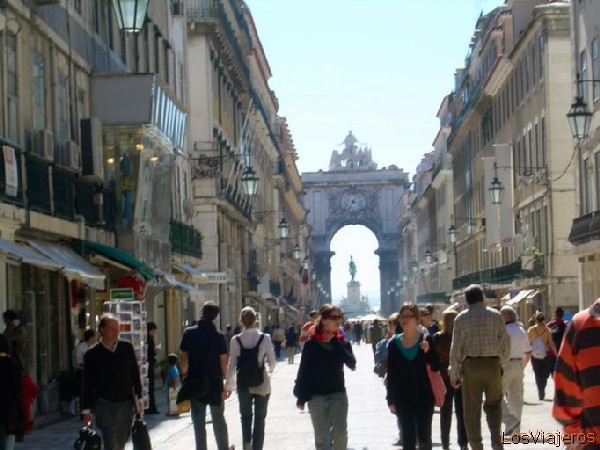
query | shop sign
(121,294)
(11,174)
(216,277)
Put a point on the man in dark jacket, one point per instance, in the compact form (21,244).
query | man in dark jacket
(110,374)
(203,353)
(11,393)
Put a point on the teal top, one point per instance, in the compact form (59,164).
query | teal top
(409,353)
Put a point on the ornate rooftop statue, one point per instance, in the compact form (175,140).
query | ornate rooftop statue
(354,156)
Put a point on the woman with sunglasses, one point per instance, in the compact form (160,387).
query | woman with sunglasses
(409,393)
(320,380)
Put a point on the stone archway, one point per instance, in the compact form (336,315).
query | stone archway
(354,192)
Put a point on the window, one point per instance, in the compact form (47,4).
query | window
(38,91)
(532,156)
(543,141)
(63,108)
(77,6)
(586,172)
(541,55)
(12,88)
(595,69)
(597,164)
(538,151)
(584,74)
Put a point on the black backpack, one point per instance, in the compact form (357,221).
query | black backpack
(558,331)
(249,372)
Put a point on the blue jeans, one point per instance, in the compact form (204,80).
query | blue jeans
(218,420)
(257,437)
(329,414)
(114,421)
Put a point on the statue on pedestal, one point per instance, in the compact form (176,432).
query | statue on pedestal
(352,268)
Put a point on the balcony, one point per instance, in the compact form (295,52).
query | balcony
(585,228)
(10,193)
(503,274)
(185,239)
(38,185)
(63,183)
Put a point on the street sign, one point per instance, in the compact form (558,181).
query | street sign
(121,294)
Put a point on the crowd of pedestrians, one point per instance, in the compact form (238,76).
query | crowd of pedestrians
(480,353)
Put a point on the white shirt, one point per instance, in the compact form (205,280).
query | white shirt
(519,342)
(249,338)
(79,353)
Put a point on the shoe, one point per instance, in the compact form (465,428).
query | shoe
(398,443)
(541,395)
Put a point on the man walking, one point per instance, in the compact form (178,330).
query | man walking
(577,403)
(514,368)
(203,353)
(480,346)
(16,335)
(110,374)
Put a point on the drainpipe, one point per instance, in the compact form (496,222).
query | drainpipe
(580,283)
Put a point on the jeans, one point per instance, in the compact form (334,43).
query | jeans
(540,368)
(114,421)
(7,441)
(219,424)
(329,414)
(277,348)
(256,437)
(416,424)
(482,376)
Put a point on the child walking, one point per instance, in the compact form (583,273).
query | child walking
(173,382)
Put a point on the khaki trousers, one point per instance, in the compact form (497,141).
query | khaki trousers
(482,376)
(512,402)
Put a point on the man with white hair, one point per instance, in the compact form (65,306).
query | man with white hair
(512,378)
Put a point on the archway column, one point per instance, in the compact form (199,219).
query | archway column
(322,261)
(388,275)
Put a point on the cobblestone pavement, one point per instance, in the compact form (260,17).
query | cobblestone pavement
(370,424)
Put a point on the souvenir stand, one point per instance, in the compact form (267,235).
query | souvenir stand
(131,312)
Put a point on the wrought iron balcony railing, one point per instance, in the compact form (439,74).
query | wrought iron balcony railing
(185,239)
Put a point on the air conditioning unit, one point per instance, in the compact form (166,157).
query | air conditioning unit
(68,155)
(177,8)
(42,144)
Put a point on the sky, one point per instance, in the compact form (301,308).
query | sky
(378,68)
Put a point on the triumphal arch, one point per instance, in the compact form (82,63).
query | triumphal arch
(353,191)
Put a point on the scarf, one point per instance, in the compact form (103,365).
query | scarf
(320,336)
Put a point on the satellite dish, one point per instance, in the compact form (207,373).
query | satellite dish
(188,208)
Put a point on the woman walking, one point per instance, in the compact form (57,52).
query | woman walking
(257,345)
(443,342)
(409,392)
(541,340)
(291,343)
(320,380)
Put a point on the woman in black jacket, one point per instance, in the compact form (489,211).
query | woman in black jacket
(320,380)
(409,393)
(11,393)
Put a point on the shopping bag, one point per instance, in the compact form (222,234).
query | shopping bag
(88,439)
(184,407)
(437,386)
(139,434)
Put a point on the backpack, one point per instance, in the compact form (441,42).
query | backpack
(558,331)
(381,356)
(249,372)
(538,348)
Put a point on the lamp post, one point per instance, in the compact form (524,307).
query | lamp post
(428,257)
(496,188)
(452,234)
(131,14)
(283,229)
(296,252)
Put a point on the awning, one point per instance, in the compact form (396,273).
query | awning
(197,275)
(19,254)
(170,281)
(522,295)
(73,265)
(121,257)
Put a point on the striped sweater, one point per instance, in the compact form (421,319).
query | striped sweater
(577,376)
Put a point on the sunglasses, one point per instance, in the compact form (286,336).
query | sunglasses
(334,317)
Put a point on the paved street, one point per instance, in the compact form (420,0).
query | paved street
(371,426)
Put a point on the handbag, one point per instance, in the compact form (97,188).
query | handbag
(139,434)
(88,439)
(438,386)
(196,387)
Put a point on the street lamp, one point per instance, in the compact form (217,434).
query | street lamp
(131,14)
(580,118)
(428,257)
(496,188)
(405,277)
(414,266)
(296,252)
(305,263)
(452,234)
(283,229)
(313,274)
(249,182)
